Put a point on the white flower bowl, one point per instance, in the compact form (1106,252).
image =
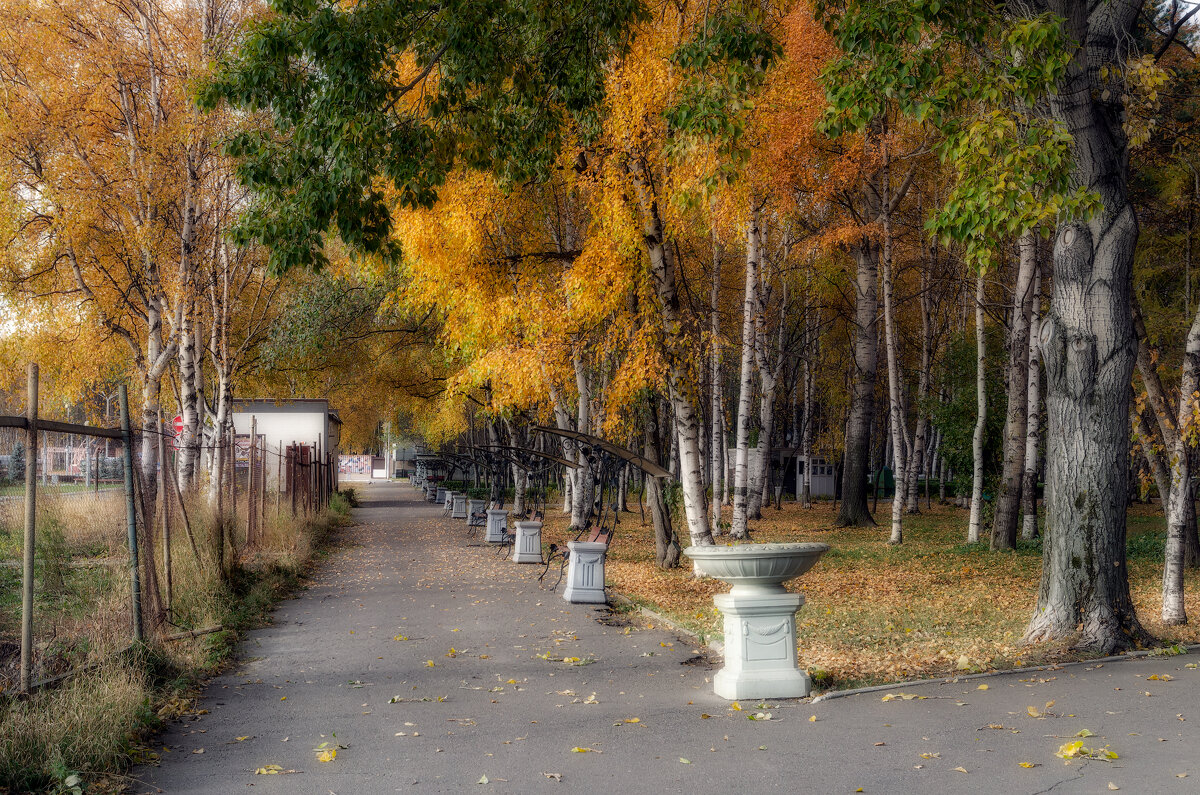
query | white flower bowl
(756,568)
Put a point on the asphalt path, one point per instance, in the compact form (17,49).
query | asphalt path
(433,665)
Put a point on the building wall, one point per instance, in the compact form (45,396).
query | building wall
(280,428)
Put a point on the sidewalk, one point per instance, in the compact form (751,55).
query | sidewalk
(506,706)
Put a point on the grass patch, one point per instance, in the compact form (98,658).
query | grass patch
(83,734)
(875,613)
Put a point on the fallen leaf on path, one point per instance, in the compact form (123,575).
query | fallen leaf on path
(1027,764)
(555,776)
(960,770)
(982,687)
(684,761)
(483,780)
(581,750)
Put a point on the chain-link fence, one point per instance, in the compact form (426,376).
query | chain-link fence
(81,602)
(118,555)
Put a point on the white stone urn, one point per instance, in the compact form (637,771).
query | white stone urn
(585,572)
(527,546)
(760,616)
(497,525)
(458,509)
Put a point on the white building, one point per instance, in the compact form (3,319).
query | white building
(283,423)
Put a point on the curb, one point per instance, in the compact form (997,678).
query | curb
(719,648)
(1133,655)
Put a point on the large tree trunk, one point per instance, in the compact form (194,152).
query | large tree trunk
(1088,345)
(853,511)
(973,530)
(1008,501)
(741,467)
(1029,526)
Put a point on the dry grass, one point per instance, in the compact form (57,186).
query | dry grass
(876,613)
(83,617)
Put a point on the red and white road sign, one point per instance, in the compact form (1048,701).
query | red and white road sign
(178,423)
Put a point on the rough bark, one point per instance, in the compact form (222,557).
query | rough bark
(1008,501)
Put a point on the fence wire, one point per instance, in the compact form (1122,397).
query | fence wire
(83,597)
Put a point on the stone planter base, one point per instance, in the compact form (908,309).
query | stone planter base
(527,547)
(441,496)
(585,573)
(760,647)
(497,525)
(458,508)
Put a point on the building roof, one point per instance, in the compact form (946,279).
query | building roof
(285,406)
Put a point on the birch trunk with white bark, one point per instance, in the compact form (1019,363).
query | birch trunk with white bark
(976,521)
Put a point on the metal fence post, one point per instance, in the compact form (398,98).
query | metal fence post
(31,451)
(131,511)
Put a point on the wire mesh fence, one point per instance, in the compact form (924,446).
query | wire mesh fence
(120,555)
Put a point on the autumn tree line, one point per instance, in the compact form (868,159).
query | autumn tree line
(949,239)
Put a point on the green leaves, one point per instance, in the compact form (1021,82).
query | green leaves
(725,62)
(369,105)
(976,77)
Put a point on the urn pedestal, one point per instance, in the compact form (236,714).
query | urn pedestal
(760,647)
(441,496)
(585,572)
(458,508)
(760,616)
(527,545)
(497,525)
(474,507)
